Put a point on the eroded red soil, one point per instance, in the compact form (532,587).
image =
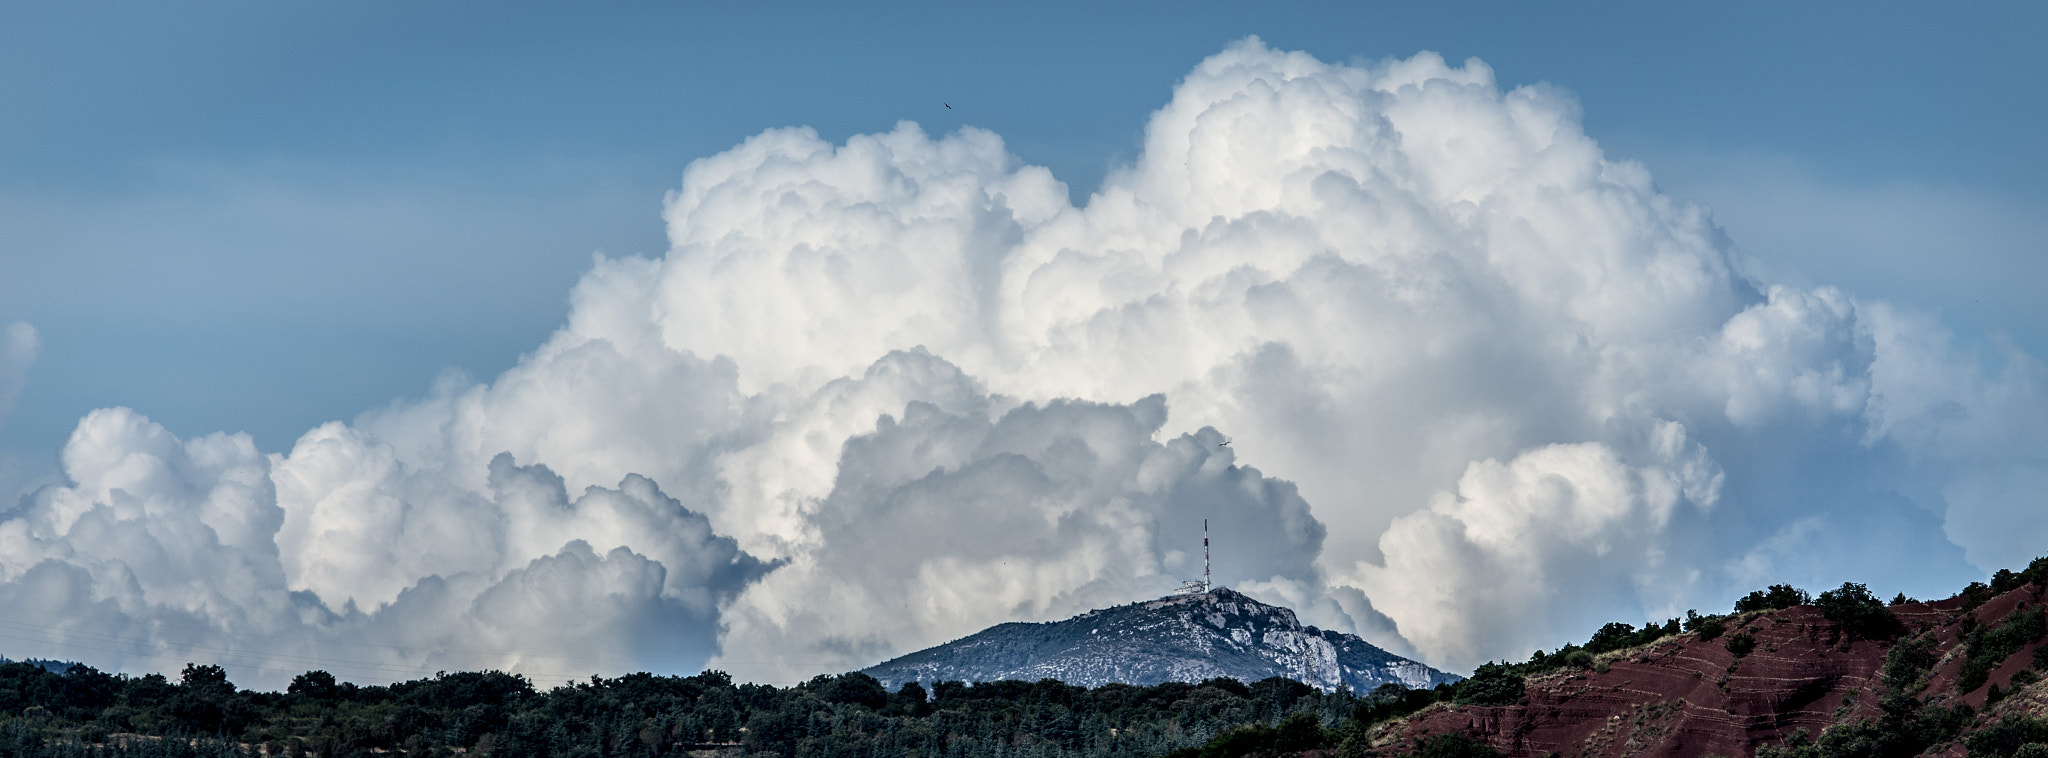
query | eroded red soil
(1686,698)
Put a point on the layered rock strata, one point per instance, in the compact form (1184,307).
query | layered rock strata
(1685,697)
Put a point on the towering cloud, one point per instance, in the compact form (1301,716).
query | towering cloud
(1485,389)
(970,510)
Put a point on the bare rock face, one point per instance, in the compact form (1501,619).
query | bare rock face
(1686,697)
(1179,638)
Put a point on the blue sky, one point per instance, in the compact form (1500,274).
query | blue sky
(252,216)
(262,218)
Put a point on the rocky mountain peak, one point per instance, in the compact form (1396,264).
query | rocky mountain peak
(1187,638)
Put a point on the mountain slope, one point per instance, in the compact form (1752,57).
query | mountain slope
(1688,697)
(1185,638)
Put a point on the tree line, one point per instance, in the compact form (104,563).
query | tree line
(79,711)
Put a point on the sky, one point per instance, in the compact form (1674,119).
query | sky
(1718,297)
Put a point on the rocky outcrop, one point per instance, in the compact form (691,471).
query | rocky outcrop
(1185,638)
(1686,697)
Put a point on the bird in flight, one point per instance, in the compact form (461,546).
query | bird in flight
(1225,443)
(949,106)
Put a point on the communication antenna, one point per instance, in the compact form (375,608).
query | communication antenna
(1192,587)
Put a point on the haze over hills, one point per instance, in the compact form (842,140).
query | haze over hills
(1184,638)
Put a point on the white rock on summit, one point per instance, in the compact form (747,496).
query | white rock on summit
(1187,638)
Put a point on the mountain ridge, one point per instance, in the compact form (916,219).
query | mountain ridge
(1220,633)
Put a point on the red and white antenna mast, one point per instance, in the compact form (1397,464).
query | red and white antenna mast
(1205,555)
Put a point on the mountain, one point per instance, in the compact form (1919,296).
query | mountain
(54,667)
(1178,638)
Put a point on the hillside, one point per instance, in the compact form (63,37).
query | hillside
(1946,671)
(1957,678)
(1184,638)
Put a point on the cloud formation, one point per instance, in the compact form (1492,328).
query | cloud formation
(1489,389)
(970,510)
(159,550)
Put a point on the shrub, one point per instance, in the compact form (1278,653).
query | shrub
(1740,643)
(1453,746)
(1974,596)
(1907,727)
(1579,659)
(1989,647)
(1652,632)
(1709,627)
(1617,635)
(2006,738)
(1390,700)
(2036,573)
(1799,745)
(1972,676)
(1907,662)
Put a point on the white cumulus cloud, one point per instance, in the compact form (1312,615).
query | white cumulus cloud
(1508,553)
(158,550)
(966,510)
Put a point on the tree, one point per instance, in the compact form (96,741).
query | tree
(1614,636)
(318,685)
(1777,596)
(1707,627)
(1859,612)
(1299,732)
(208,679)
(854,687)
(1492,684)
(207,703)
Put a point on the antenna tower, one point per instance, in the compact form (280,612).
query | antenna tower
(1192,587)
